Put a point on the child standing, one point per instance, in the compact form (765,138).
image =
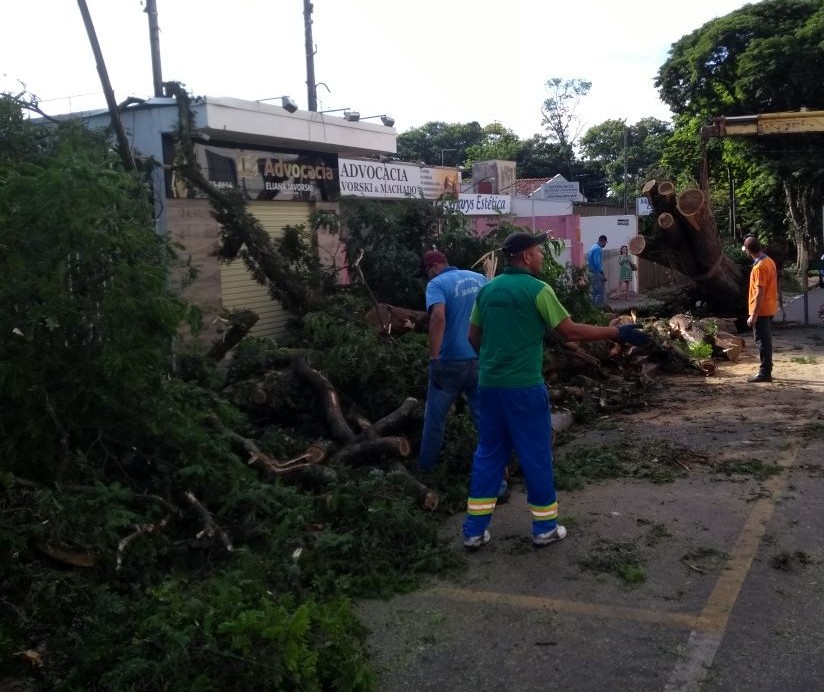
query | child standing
(625,269)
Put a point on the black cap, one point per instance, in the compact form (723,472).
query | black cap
(518,242)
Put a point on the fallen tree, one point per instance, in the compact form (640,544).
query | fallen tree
(686,239)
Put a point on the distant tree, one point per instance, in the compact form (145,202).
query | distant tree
(561,121)
(645,140)
(761,58)
(498,143)
(539,158)
(438,142)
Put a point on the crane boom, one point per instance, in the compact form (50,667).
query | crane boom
(793,122)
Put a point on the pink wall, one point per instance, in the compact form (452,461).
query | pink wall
(567,227)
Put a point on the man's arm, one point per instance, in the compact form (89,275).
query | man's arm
(437,326)
(574,331)
(759,298)
(475,334)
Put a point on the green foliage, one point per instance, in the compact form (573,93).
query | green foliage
(498,143)
(757,59)
(392,237)
(89,313)
(439,143)
(621,558)
(562,124)
(388,370)
(115,449)
(656,461)
(645,142)
(375,540)
(699,351)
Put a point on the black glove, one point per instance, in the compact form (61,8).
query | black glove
(435,373)
(632,334)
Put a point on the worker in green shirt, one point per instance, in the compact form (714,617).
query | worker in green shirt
(507,327)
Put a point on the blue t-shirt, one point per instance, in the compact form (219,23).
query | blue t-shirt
(456,289)
(594,259)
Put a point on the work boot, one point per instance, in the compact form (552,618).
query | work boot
(760,377)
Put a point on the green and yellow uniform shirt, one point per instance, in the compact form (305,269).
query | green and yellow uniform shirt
(513,311)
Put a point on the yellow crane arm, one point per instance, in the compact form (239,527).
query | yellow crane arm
(796,122)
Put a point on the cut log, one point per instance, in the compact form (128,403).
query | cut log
(371,451)
(426,497)
(357,420)
(691,204)
(666,191)
(75,558)
(666,220)
(271,467)
(686,239)
(637,244)
(706,366)
(686,328)
(391,421)
(341,432)
(394,321)
(660,195)
(731,346)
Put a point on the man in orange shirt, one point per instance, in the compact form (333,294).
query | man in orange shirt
(762,305)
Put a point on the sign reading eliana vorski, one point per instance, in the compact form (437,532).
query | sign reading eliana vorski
(267,175)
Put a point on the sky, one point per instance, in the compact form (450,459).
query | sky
(457,61)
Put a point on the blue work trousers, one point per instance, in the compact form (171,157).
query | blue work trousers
(448,379)
(513,419)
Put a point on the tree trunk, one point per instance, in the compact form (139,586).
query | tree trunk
(329,399)
(393,420)
(426,497)
(239,325)
(368,451)
(686,239)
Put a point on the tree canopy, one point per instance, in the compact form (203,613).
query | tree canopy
(762,58)
(613,143)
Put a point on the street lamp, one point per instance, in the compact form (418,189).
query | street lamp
(456,155)
(287,103)
(387,120)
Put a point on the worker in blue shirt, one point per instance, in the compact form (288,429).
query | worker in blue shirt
(597,278)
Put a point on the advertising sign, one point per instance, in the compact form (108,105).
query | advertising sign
(261,175)
(561,191)
(479,204)
(437,182)
(642,206)
(362,178)
(377,179)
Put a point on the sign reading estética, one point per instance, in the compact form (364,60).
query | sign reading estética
(479,204)
(376,179)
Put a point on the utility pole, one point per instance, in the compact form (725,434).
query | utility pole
(625,169)
(733,221)
(311,86)
(122,141)
(154,44)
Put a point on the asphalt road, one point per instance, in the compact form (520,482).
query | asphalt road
(732,595)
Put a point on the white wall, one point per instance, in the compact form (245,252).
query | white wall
(524,206)
(617,229)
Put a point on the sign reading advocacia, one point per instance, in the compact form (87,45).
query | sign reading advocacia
(377,179)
